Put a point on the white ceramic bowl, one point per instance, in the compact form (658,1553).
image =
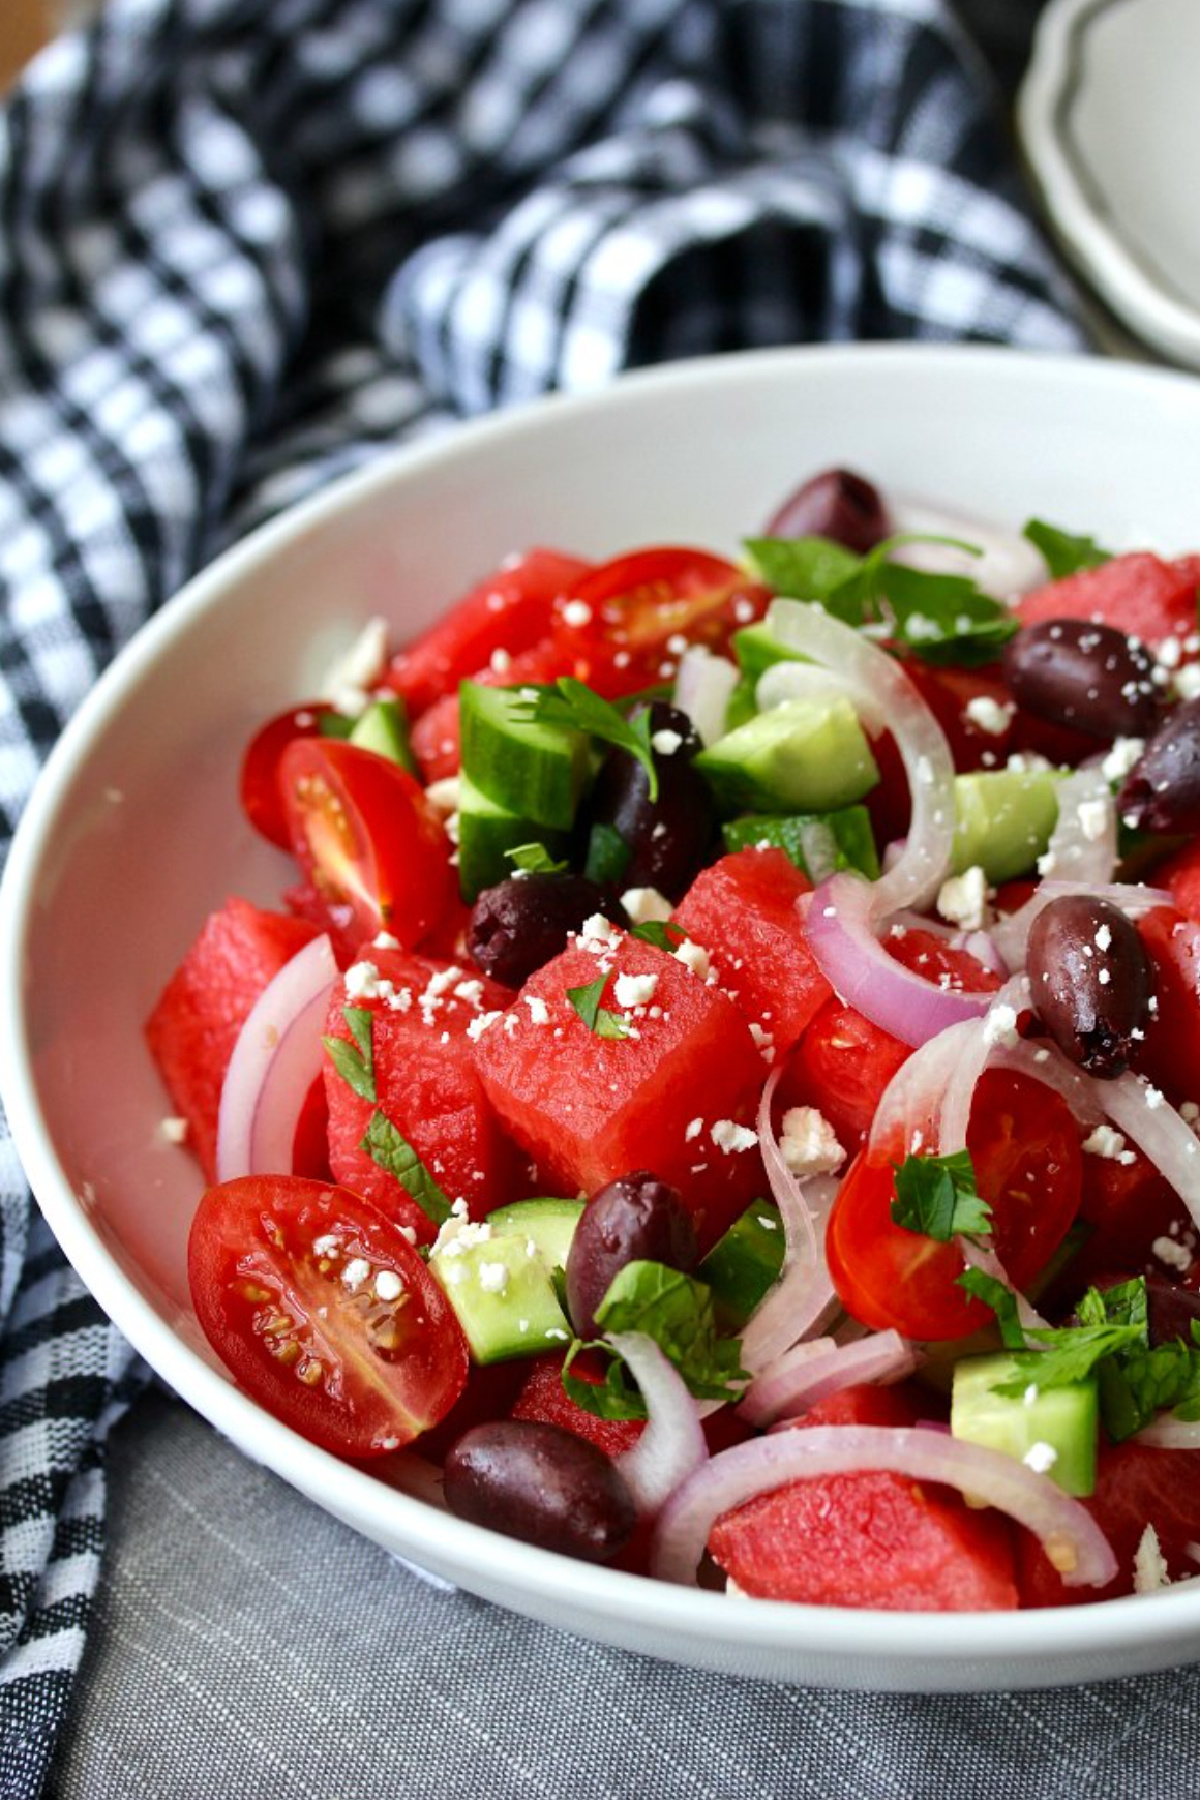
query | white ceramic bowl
(134,833)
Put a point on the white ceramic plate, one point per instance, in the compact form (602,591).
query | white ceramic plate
(134,833)
(1111,129)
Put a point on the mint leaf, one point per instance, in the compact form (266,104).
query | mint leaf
(355,1062)
(385,1146)
(1002,1301)
(1062,553)
(1072,1353)
(664,934)
(572,704)
(534,859)
(677,1312)
(809,568)
(613,1398)
(586,1001)
(937,1196)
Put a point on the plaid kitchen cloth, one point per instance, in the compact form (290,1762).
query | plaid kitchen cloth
(247,244)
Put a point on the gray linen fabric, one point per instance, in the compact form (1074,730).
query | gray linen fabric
(244,1645)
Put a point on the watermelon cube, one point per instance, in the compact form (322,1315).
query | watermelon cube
(422,1012)
(196,1022)
(677,1094)
(1139,593)
(744,911)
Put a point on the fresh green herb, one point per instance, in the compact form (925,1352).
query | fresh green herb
(1002,1301)
(664,934)
(677,1312)
(572,704)
(1062,553)
(355,1062)
(534,859)
(613,1398)
(938,1197)
(608,854)
(1072,1353)
(939,618)
(586,1001)
(385,1146)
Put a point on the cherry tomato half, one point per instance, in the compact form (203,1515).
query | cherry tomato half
(1024,1145)
(367,841)
(259,780)
(324,1312)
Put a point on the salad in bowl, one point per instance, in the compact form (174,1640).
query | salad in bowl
(718,1087)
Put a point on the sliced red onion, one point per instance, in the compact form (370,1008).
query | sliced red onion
(673,1444)
(1169,1433)
(907,1116)
(1008,566)
(811,1372)
(976,1256)
(799,1231)
(275,1061)
(1069,1535)
(1152,1123)
(1083,844)
(785,681)
(703,685)
(882,689)
(997,1029)
(1011,935)
(840,922)
(982,947)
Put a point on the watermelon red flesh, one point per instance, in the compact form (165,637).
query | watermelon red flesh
(427,1086)
(1138,593)
(196,1022)
(744,911)
(1136,1486)
(589,1109)
(1170,1055)
(868,1540)
(543,1397)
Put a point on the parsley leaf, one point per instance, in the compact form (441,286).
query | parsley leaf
(571,703)
(1002,1301)
(677,1312)
(534,859)
(355,1062)
(385,1146)
(1062,553)
(664,934)
(1072,1353)
(938,1197)
(613,1398)
(586,1001)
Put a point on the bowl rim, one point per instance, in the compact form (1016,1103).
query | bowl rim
(1169,1621)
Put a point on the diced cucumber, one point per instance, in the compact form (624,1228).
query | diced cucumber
(1053,1429)
(744,1263)
(757,648)
(486,833)
(383,727)
(536,771)
(1004,820)
(818,843)
(806,755)
(548,1223)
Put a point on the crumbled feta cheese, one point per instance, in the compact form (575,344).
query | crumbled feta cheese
(1154,1098)
(1040,1457)
(174,1129)
(728,1136)
(694,1128)
(1093,818)
(1186,684)
(694,956)
(809,1144)
(479,1025)
(1000,1026)
(493,1277)
(634,990)
(1121,758)
(577,613)
(443,795)
(666,741)
(363,981)
(1106,1143)
(645,905)
(355,1272)
(359,667)
(1176,1256)
(1028,762)
(992,716)
(963,899)
(388,1285)
(327,1245)
(539,1012)
(1149,1564)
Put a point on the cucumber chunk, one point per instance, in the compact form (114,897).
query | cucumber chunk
(757,648)
(487,832)
(743,1264)
(499,1279)
(383,727)
(1004,820)
(818,843)
(806,755)
(1055,1430)
(535,771)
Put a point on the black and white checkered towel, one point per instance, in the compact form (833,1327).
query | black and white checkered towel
(246,243)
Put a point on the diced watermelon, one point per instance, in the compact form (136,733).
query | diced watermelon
(1138,593)
(196,1021)
(873,1539)
(744,911)
(1180,875)
(543,1397)
(435,742)
(677,1096)
(426,1084)
(841,1066)
(1170,1055)
(1136,1486)
(1128,1207)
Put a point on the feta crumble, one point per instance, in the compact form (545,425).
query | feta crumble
(634,990)
(646,905)
(809,1144)
(963,899)
(729,1136)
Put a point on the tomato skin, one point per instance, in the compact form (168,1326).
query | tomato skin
(367,841)
(1024,1144)
(841,1066)
(252,1259)
(258,782)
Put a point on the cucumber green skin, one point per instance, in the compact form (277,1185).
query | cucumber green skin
(535,771)
(383,727)
(853,838)
(807,755)
(491,1321)
(550,1223)
(744,1264)
(1005,818)
(757,648)
(1067,1418)
(487,832)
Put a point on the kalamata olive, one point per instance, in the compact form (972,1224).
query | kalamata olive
(1090,677)
(521,923)
(1089,980)
(835,504)
(1162,790)
(669,839)
(1171,1310)
(543,1484)
(634,1219)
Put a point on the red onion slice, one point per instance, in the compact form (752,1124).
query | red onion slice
(1008,566)
(1169,1433)
(810,1372)
(275,1061)
(1069,1535)
(840,919)
(785,681)
(703,684)
(673,1444)
(881,689)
